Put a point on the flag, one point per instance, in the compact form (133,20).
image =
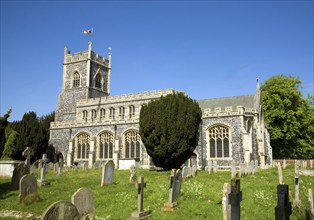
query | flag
(88,31)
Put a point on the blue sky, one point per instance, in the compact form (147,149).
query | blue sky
(207,49)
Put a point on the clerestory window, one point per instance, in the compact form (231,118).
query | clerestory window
(131,111)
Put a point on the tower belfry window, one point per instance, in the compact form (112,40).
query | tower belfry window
(76,80)
(98,81)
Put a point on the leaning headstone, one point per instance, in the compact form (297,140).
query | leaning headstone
(235,198)
(310,206)
(83,199)
(133,178)
(283,208)
(61,210)
(28,185)
(140,213)
(107,173)
(233,170)
(226,208)
(18,172)
(210,167)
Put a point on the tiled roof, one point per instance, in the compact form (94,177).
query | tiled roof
(247,101)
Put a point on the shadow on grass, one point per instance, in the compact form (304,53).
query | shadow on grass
(5,189)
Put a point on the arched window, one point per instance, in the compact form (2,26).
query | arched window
(132,144)
(102,113)
(121,112)
(94,114)
(111,113)
(85,114)
(105,145)
(219,142)
(76,80)
(98,81)
(131,111)
(82,144)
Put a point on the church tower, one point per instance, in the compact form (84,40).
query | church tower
(85,75)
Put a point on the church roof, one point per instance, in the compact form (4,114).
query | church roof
(247,101)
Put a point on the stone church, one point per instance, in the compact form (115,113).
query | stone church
(92,127)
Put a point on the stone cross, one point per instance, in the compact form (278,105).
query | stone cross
(235,197)
(140,193)
(43,170)
(283,208)
(28,152)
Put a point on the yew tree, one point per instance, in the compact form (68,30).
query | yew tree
(289,117)
(169,128)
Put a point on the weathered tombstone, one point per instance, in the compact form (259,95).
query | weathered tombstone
(43,165)
(61,210)
(284,164)
(235,197)
(173,192)
(28,185)
(233,170)
(215,166)
(194,170)
(140,213)
(210,167)
(311,163)
(256,166)
(310,206)
(18,172)
(280,174)
(107,173)
(226,208)
(283,208)
(60,166)
(27,153)
(133,178)
(83,199)
(185,172)
(297,200)
(50,166)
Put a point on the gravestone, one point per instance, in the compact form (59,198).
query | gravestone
(185,172)
(256,166)
(50,166)
(194,170)
(226,208)
(280,174)
(215,166)
(210,167)
(233,170)
(140,213)
(235,198)
(28,185)
(297,200)
(107,173)
(311,163)
(43,166)
(310,206)
(83,199)
(60,166)
(174,190)
(18,172)
(61,210)
(133,178)
(283,208)
(27,153)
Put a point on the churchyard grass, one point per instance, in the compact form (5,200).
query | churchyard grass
(200,197)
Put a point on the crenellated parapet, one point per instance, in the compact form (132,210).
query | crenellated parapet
(81,56)
(227,111)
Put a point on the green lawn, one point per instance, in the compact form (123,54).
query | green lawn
(200,196)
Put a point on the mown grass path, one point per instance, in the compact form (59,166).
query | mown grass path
(200,196)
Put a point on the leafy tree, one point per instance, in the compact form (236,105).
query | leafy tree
(10,146)
(289,117)
(3,124)
(169,128)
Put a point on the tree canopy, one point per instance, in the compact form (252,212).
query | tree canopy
(169,128)
(289,117)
